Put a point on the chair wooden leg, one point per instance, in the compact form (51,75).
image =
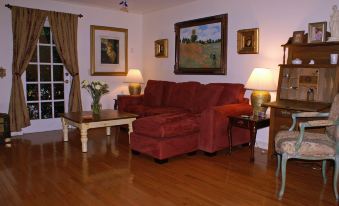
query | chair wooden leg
(278,165)
(283,175)
(323,171)
(335,178)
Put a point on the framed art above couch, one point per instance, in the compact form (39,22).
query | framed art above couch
(201,46)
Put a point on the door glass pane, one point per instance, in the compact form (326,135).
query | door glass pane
(56,57)
(58,73)
(33,109)
(34,57)
(32,73)
(45,54)
(58,91)
(45,73)
(59,107)
(45,36)
(32,92)
(46,110)
(46,92)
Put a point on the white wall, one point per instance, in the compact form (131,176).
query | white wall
(92,16)
(276,21)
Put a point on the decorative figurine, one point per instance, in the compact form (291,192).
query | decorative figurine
(334,24)
(297,61)
(311,61)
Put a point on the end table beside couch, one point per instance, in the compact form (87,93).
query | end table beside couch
(181,118)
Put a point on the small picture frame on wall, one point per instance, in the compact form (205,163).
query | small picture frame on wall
(298,37)
(317,32)
(248,41)
(161,48)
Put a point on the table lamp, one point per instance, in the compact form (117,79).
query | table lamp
(134,78)
(261,82)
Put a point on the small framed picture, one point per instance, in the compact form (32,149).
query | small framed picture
(161,48)
(317,32)
(248,41)
(298,37)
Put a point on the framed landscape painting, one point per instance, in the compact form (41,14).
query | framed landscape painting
(108,51)
(201,45)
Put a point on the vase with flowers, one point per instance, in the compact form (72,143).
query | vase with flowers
(96,89)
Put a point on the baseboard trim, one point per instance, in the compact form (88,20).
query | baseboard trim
(261,145)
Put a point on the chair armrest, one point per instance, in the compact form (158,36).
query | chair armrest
(125,100)
(310,124)
(304,115)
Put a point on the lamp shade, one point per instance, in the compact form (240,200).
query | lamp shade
(261,79)
(134,76)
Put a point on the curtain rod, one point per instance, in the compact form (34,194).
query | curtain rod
(10,7)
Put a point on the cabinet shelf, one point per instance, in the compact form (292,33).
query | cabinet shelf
(309,65)
(319,44)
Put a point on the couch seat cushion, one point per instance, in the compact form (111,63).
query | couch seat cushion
(138,109)
(163,110)
(144,111)
(167,125)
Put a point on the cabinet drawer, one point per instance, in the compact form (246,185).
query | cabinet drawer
(240,123)
(285,113)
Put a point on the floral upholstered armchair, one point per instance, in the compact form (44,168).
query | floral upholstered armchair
(310,146)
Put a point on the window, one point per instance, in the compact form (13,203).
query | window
(45,94)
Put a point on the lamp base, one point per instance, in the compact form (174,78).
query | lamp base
(258,98)
(134,89)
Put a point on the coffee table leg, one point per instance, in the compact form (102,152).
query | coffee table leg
(108,131)
(84,139)
(65,129)
(130,130)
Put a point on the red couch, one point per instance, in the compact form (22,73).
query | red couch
(178,118)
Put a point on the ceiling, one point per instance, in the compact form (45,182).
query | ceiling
(134,6)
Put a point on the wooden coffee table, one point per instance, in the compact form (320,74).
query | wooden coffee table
(85,120)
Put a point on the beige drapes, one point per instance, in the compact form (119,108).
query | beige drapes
(26,26)
(65,28)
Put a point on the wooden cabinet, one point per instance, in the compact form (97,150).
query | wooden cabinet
(4,127)
(303,87)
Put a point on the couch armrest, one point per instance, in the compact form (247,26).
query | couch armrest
(245,101)
(214,123)
(232,109)
(125,100)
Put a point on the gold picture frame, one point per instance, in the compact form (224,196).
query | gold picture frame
(161,48)
(298,37)
(248,41)
(201,46)
(109,46)
(317,32)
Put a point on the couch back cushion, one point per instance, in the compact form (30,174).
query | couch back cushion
(181,94)
(155,92)
(206,96)
(233,93)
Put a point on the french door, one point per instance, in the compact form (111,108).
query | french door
(46,85)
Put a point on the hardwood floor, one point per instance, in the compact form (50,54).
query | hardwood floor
(40,169)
